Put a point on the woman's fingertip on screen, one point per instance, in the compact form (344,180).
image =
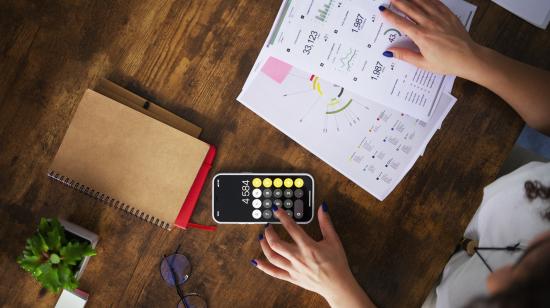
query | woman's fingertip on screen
(324,206)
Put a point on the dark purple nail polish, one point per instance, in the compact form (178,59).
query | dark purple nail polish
(324,206)
(388,54)
(274,208)
(260,237)
(266,225)
(253,262)
(382,8)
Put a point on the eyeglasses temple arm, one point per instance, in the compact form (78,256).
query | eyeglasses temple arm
(176,281)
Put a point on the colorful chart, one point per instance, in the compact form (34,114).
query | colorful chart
(327,101)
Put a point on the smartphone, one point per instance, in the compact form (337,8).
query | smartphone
(248,198)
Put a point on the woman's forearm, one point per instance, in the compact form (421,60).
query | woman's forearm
(350,295)
(523,87)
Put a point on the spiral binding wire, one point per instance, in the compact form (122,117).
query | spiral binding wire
(112,202)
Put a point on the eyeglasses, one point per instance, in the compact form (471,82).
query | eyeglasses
(175,269)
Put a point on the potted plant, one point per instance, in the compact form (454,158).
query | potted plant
(57,254)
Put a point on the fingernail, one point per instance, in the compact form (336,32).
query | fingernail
(266,225)
(382,8)
(388,54)
(324,206)
(253,262)
(260,237)
(274,208)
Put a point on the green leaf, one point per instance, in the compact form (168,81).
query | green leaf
(67,278)
(29,263)
(54,239)
(75,251)
(30,249)
(43,226)
(49,278)
(53,232)
(37,244)
(54,258)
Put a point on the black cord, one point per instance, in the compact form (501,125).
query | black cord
(507,248)
(483,259)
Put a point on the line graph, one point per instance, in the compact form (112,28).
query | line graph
(346,62)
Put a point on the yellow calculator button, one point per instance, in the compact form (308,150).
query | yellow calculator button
(256,182)
(267,182)
(299,183)
(277,183)
(288,182)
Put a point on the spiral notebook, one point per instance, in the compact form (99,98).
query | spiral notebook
(132,162)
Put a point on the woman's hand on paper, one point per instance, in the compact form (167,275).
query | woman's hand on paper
(446,48)
(318,266)
(445,45)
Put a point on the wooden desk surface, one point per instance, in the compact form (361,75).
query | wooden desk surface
(192,57)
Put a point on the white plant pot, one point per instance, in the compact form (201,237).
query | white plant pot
(84,234)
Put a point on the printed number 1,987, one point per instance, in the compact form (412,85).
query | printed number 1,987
(358,24)
(377,71)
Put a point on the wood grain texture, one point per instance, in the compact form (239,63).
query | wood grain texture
(192,57)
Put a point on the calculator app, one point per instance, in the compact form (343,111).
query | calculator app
(250,198)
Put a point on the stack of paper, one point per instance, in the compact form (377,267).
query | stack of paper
(322,80)
(536,12)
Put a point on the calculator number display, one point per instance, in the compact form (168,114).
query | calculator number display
(245,191)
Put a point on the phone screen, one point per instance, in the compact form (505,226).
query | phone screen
(249,197)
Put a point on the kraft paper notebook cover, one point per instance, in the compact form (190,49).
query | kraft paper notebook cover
(132,162)
(136,102)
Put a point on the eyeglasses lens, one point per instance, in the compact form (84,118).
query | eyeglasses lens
(180,266)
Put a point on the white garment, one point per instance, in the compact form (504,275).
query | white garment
(505,217)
